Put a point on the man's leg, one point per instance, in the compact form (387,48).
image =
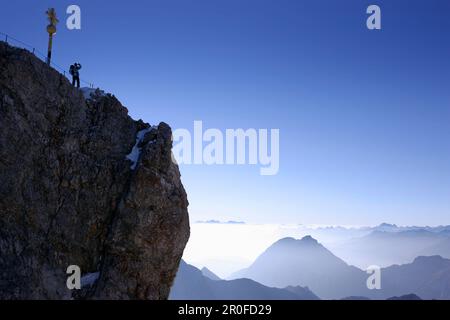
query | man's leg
(73,81)
(78,82)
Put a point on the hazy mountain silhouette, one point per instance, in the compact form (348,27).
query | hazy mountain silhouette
(209,274)
(385,248)
(387,227)
(300,291)
(191,284)
(427,277)
(410,296)
(305,262)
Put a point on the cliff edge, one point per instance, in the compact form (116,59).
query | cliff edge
(81,183)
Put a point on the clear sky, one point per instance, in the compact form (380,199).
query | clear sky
(363,115)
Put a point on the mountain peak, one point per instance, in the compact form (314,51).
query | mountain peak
(386,227)
(429,259)
(309,239)
(291,262)
(286,240)
(65,164)
(384,224)
(292,241)
(209,274)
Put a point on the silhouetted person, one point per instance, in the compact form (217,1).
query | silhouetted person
(75,72)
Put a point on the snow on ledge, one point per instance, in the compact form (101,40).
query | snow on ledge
(88,93)
(89,279)
(136,151)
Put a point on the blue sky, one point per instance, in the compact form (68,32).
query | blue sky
(363,115)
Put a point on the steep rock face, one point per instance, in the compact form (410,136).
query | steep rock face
(70,196)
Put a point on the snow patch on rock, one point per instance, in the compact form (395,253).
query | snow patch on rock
(89,279)
(136,151)
(89,93)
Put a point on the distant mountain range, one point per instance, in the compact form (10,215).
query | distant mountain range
(414,262)
(385,246)
(192,284)
(220,222)
(386,227)
(306,262)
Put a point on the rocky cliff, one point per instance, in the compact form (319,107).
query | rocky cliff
(81,183)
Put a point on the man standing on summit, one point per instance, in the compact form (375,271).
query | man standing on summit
(74,71)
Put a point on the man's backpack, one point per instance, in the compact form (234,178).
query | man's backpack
(72,70)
